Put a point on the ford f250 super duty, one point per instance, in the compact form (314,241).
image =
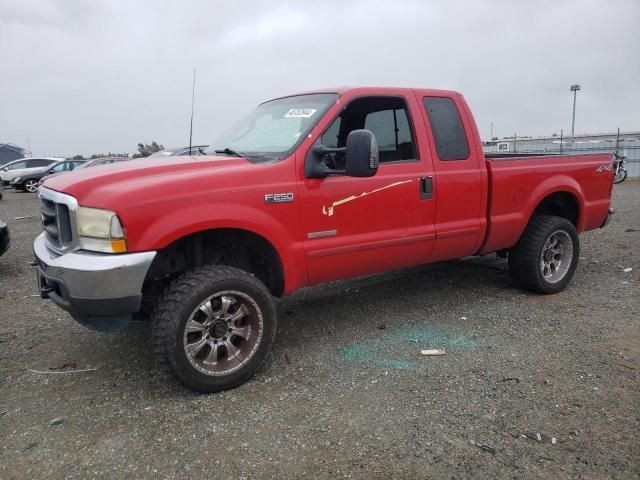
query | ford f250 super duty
(305,189)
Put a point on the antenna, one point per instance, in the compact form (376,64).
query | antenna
(193,96)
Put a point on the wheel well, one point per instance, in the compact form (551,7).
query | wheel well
(233,247)
(560,204)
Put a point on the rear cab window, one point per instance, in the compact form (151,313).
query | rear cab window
(446,126)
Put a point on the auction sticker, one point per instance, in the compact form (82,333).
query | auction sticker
(300,113)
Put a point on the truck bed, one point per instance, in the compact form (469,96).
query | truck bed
(517,183)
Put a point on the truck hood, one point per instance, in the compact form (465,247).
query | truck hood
(126,184)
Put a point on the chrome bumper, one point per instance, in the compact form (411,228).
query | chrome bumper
(99,290)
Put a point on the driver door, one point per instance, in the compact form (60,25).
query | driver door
(355,226)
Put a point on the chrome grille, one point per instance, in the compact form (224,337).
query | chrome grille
(56,215)
(49,215)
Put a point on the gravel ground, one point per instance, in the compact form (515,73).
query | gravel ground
(531,386)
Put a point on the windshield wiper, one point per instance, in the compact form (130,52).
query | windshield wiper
(228,151)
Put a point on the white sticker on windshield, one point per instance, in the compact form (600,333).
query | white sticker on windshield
(300,113)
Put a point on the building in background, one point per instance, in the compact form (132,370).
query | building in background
(625,143)
(10,152)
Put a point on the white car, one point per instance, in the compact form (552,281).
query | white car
(23,166)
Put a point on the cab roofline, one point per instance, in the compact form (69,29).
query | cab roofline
(373,90)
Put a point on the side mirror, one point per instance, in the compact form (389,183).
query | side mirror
(52,171)
(361,155)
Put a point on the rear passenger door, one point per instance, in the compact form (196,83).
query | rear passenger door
(459,182)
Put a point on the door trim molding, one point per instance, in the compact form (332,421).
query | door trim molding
(371,245)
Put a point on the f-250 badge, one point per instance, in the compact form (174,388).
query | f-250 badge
(278,198)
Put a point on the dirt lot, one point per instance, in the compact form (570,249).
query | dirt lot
(531,386)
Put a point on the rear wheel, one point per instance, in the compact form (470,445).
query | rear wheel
(30,185)
(545,258)
(214,327)
(620,175)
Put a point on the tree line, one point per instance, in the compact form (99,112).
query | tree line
(144,150)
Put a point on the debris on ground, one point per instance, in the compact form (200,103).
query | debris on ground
(484,447)
(627,270)
(65,367)
(511,379)
(56,421)
(540,438)
(382,326)
(63,371)
(22,218)
(433,352)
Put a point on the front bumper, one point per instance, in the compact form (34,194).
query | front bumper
(101,291)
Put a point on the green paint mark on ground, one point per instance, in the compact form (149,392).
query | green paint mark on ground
(399,349)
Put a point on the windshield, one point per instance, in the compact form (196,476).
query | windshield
(274,128)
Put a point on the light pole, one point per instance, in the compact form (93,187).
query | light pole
(574,89)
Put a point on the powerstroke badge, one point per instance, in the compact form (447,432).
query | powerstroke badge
(278,198)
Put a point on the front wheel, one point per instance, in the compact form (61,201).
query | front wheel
(620,176)
(545,258)
(214,327)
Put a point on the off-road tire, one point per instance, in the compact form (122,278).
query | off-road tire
(175,308)
(525,257)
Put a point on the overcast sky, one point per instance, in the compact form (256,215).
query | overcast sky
(83,77)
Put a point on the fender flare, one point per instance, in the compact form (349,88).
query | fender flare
(556,184)
(189,220)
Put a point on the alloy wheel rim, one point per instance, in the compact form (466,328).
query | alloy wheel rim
(31,186)
(223,333)
(556,256)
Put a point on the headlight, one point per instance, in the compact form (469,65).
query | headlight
(100,230)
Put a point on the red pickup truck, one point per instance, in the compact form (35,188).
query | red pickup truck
(305,189)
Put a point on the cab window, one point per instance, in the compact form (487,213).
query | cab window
(386,117)
(447,128)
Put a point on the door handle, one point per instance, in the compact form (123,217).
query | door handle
(426,188)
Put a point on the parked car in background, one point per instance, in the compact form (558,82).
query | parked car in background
(176,152)
(4,237)
(29,181)
(104,161)
(84,164)
(24,166)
